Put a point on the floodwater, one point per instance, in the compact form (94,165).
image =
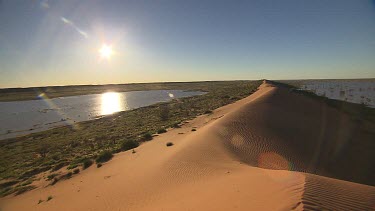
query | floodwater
(361,92)
(23,117)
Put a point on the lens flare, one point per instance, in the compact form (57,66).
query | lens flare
(70,23)
(53,106)
(272,160)
(106,51)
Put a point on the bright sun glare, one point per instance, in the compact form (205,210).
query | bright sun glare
(111,103)
(106,51)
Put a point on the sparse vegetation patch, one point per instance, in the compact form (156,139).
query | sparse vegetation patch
(129,144)
(104,157)
(86,163)
(147,137)
(162,130)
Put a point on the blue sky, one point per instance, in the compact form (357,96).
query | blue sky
(57,42)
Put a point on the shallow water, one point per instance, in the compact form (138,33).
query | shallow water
(24,117)
(361,92)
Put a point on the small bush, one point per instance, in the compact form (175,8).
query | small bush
(40,201)
(208,112)
(129,144)
(147,137)
(51,176)
(193,129)
(116,150)
(234,98)
(23,189)
(58,166)
(76,171)
(164,112)
(74,144)
(55,157)
(27,182)
(72,166)
(176,125)
(8,184)
(54,181)
(86,163)
(68,175)
(162,130)
(98,165)
(34,171)
(6,191)
(104,157)
(49,198)
(169,144)
(43,150)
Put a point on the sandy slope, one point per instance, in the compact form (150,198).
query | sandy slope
(217,167)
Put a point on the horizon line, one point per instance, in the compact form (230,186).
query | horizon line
(153,82)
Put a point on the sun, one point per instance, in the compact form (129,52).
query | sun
(106,51)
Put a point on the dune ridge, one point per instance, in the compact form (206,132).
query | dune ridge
(260,153)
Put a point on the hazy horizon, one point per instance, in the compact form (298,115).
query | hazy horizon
(297,79)
(59,43)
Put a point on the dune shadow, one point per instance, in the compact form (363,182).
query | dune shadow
(287,130)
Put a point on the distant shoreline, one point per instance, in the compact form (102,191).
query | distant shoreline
(32,93)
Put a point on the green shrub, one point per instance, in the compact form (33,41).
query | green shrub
(44,149)
(59,166)
(129,144)
(54,181)
(147,137)
(169,144)
(72,166)
(193,129)
(164,112)
(116,150)
(6,191)
(49,198)
(27,182)
(234,98)
(23,189)
(34,171)
(162,130)
(55,157)
(98,165)
(86,163)
(208,112)
(76,171)
(51,176)
(176,125)
(8,184)
(68,175)
(104,157)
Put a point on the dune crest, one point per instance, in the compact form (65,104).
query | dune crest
(240,157)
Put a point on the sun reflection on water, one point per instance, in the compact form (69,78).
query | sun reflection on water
(111,103)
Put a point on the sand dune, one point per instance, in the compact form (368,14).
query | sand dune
(323,193)
(240,158)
